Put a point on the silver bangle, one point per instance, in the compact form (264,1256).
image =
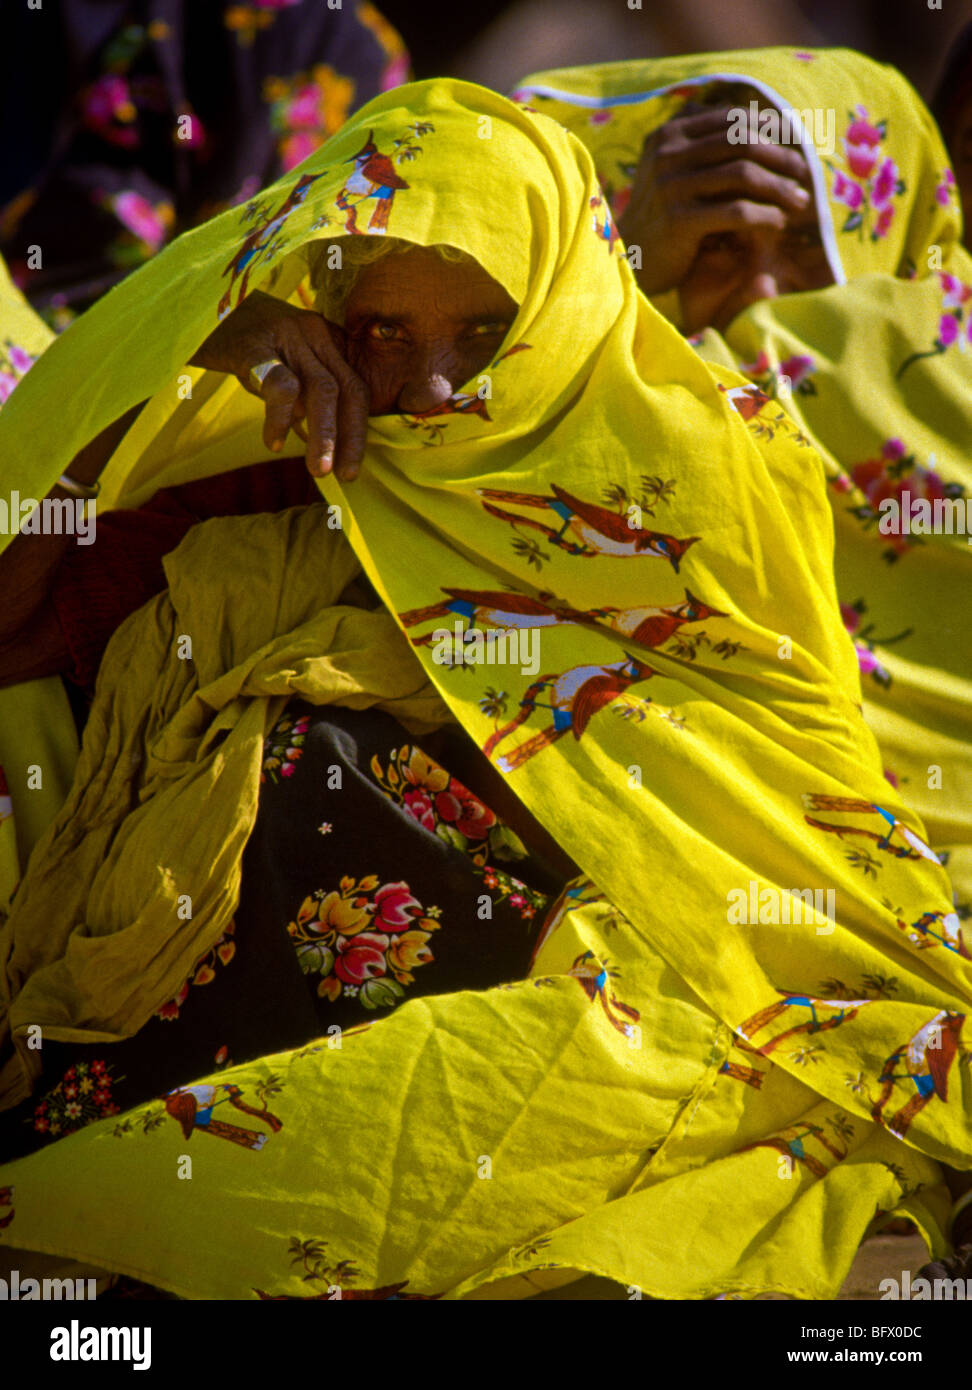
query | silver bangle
(76,489)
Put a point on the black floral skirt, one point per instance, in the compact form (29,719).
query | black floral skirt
(372,876)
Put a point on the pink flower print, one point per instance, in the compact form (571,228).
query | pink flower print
(944,191)
(846,191)
(756,368)
(7,384)
(395,72)
(418,804)
(805,57)
(295,148)
(948,330)
(107,108)
(394,905)
(885,218)
(885,184)
(360,957)
(954,293)
(851,617)
(20,361)
(861,145)
(796,368)
(140,217)
(893,449)
(303,109)
(600,117)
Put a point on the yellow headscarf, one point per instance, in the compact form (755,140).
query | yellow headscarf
(689,733)
(877,370)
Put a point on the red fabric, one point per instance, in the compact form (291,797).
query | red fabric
(97,586)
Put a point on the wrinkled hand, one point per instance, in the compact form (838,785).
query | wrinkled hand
(314,383)
(691,182)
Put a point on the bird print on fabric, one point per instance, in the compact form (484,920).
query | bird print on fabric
(574,697)
(586,528)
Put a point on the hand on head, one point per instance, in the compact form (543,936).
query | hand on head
(725,223)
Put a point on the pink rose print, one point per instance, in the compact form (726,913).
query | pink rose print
(107,109)
(846,191)
(360,957)
(953,327)
(875,181)
(884,185)
(140,217)
(419,804)
(946,189)
(15,362)
(394,907)
(861,144)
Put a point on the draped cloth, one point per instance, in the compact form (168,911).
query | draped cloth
(37,733)
(876,370)
(701,1087)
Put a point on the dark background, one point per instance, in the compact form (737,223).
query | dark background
(497,43)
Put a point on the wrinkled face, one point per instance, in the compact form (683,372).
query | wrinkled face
(735,269)
(418,328)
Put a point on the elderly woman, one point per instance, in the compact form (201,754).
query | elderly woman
(755,974)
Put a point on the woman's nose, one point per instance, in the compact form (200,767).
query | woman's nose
(429,383)
(760,284)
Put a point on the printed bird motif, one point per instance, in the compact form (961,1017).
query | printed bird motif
(192,1108)
(650,627)
(747,400)
(595,530)
(575,696)
(259,240)
(790,1142)
(927,1058)
(921,932)
(499,609)
(374,176)
(824,1015)
(820,801)
(594,981)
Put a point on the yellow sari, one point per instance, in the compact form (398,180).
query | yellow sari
(704,1086)
(876,370)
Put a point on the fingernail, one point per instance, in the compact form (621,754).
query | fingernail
(277,445)
(802,196)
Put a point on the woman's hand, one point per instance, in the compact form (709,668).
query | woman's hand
(692,183)
(313,381)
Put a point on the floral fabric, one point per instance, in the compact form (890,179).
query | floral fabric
(299,960)
(164,114)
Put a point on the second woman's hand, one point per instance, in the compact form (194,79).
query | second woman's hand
(312,382)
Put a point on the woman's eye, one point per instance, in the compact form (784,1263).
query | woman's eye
(384,332)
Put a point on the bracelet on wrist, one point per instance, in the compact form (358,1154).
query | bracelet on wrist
(87,491)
